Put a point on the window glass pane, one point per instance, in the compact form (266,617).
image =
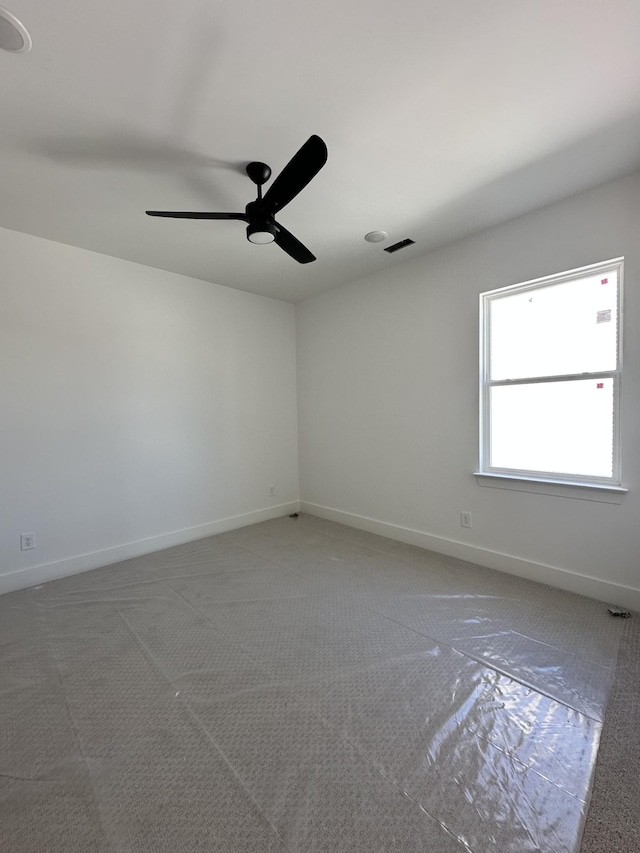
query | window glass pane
(555,427)
(570,327)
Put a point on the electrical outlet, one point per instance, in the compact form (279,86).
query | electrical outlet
(272,491)
(27,541)
(465,519)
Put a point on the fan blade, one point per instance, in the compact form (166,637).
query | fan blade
(302,167)
(179,214)
(293,246)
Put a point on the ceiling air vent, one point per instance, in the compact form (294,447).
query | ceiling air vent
(397,246)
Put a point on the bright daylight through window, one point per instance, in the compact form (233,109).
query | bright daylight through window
(550,378)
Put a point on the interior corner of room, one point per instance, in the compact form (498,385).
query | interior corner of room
(143,408)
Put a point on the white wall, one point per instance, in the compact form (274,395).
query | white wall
(388,402)
(139,408)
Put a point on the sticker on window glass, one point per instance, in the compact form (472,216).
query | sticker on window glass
(604,316)
(604,281)
(600,385)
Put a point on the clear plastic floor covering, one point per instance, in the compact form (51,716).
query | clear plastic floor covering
(299,685)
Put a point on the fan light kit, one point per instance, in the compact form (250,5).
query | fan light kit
(261,234)
(260,214)
(376,236)
(14,36)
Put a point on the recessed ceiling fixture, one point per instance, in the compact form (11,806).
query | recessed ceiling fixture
(14,36)
(376,236)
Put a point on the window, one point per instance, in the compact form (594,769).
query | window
(550,378)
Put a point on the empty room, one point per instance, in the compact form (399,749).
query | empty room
(320,405)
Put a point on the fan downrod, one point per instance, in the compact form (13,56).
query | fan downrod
(258,172)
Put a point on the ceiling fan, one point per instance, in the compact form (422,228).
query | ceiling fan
(260,214)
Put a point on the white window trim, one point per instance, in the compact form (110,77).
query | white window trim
(509,477)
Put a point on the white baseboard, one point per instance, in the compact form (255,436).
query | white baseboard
(32,575)
(601,590)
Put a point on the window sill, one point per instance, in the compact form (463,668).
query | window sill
(557,488)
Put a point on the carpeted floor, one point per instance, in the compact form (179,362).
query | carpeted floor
(303,687)
(613,820)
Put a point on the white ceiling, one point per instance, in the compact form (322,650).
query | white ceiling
(441,117)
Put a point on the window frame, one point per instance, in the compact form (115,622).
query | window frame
(613,483)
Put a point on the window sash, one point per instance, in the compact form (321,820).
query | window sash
(559,476)
(565,377)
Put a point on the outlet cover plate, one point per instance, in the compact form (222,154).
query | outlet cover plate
(27,541)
